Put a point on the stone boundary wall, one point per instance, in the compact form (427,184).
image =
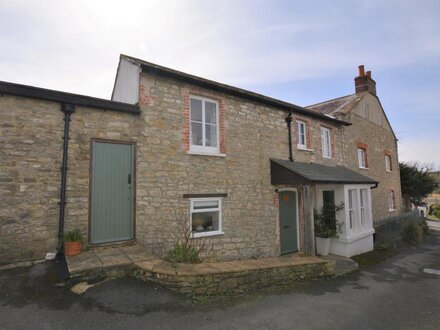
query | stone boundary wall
(234,283)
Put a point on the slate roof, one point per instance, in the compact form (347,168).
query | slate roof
(231,90)
(315,173)
(341,104)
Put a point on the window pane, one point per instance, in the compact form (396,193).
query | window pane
(210,112)
(205,204)
(211,135)
(196,110)
(205,222)
(196,134)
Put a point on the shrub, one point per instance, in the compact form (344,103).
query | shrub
(326,224)
(434,210)
(411,234)
(73,236)
(187,249)
(424,227)
(183,254)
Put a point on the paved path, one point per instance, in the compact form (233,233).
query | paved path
(393,295)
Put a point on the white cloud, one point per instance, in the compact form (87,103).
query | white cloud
(424,150)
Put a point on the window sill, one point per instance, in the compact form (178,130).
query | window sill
(364,168)
(300,147)
(207,234)
(202,153)
(326,157)
(392,210)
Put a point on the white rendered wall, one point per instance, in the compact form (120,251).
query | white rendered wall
(127,82)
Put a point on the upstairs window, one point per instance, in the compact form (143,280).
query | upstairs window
(388,164)
(302,135)
(326,143)
(362,158)
(204,134)
(391,200)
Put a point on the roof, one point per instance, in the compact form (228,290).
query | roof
(164,71)
(341,104)
(63,97)
(288,172)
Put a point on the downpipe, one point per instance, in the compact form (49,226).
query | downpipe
(289,130)
(67,109)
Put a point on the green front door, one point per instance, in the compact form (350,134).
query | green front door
(112,192)
(288,222)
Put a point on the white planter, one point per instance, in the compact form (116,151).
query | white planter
(323,246)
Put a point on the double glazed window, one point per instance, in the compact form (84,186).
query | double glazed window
(362,158)
(326,143)
(206,217)
(302,135)
(204,125)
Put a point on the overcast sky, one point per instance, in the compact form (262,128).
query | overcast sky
(303,52)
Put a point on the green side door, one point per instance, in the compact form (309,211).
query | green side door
(288,222)
(112,192)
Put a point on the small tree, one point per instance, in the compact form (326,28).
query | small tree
(417,182)
(326,224)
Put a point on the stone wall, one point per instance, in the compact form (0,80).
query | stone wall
(253,134)
(31,152)
(234,283)
(376,135)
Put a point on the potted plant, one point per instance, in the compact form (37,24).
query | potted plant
(72,243)
(326,227)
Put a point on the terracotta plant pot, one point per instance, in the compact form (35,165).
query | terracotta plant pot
(72,248)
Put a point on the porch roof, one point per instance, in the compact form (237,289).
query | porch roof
(288,172)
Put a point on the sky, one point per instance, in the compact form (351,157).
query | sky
(301,52)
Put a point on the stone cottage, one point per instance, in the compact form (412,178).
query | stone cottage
(370,145)
(243,169)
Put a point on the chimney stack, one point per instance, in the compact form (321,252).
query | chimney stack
(363,82)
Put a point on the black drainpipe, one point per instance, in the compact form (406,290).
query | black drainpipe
(68,109)
(289,129)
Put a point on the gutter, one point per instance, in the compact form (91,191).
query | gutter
(67,109)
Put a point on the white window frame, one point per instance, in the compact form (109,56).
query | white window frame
(219,209)
(351,209)
(391,200)
(362,157)
(326,144)
(388,166)
(300,145)
(203,148)
(363,206)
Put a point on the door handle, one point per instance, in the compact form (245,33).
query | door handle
(286,227)
(129,178)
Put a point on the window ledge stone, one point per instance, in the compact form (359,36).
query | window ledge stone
(207,234)
(202,153)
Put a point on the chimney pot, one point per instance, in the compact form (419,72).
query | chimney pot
(369,74)
(361,70)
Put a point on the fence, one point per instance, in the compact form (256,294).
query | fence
(388,230)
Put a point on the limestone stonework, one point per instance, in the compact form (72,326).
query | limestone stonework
(371,130)
(251,133)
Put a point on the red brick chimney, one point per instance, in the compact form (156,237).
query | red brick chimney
(363,82)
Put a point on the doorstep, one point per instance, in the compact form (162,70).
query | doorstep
(106,257)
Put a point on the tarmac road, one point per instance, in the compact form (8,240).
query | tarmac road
(395,294)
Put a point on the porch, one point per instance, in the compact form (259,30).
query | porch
(325,186)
